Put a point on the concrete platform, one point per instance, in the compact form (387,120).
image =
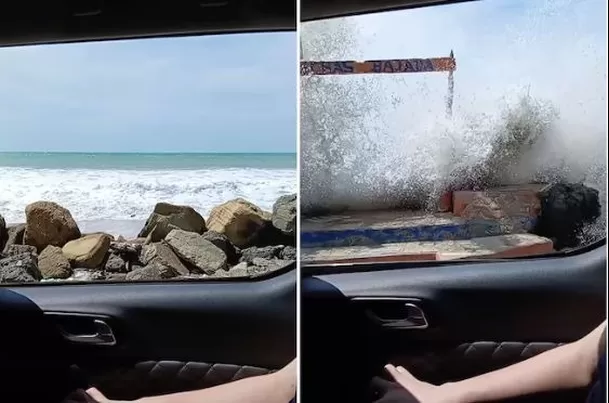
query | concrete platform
(398,226)
(501,246)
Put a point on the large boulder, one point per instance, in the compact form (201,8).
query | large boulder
(115,264)
(48,223)
(87,252)
(266,252)
(197,252)
(240,220)
(167,217)
(162,254)
(53,264)
(14,235)
(284,214)
(20,269)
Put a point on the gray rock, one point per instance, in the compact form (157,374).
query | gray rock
(12,250)
(288,253)
(261,267)
(222,242)
(86,275)
(53,264)
(198,252)
(160,231)
(19,269)
(266,252)
(116,277)
(169,216)
(284,214)
(115,264)
(153,271)
(15,235)
(129,251)
(164,255)
(240,270)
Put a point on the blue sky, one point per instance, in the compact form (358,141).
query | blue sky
(225,93)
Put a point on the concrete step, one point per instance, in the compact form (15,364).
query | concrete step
(501,246)
(397,226)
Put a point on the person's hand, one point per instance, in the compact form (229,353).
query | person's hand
(424,392)
(100,398)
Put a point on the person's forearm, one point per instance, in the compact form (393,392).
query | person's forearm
(279,387)
(560,368)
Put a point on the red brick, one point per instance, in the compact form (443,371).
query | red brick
(445,204)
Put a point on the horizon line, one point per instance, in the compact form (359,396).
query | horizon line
(149,152)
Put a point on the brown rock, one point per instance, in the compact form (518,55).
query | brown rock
(169,216)
(48,223)
(53,264)
(284,214)
(239,220)
(3,233)
(164,255)
(222,242)
(87,252)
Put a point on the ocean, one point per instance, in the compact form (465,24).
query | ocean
(116,192)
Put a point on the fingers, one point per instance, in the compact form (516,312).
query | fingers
(97,395)
(399,373)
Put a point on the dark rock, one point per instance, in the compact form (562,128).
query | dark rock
(200,254)
(151,272)
(53,264)
(3,233)
(163,254)
(15,235)
(565,209)
(12,250)
(260,266)
(48,223)
(20,269)
(266,252)
(115,264)
(167,217)
(284,214)
(128,251)
(288,253)
(222,242)
(159,231)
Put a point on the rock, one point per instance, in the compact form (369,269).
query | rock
(87,252)
(565,209)
(116,277)
(288,253)
(159,232)
(240,270)
(48,223)
(128,251)
(19,269)
(15,235)
(163,255)
(222,242)
(115,264)
(266,252)
(53,264)
(153,271)
(86,275)
(284,214)
(239,220)
(168,216)
(3,233)
(198,252)
(12,250)
(261,266)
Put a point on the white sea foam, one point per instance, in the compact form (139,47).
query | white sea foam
(95,196)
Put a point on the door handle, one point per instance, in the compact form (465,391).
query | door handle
(102,336)
(84,329)
(395,313)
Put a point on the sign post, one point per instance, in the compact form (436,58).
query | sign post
(395,66)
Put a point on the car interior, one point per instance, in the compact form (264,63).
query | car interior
(132,340)
(443,321)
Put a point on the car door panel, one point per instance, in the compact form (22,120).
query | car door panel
(481,316)
(177,336)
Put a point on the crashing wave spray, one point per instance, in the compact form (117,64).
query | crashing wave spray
(368,142)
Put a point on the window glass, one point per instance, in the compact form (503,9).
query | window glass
(474,130)
(155,159)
